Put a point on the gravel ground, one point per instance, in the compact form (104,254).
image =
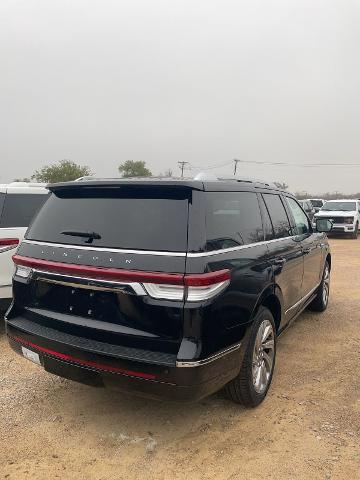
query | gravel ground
(307,428)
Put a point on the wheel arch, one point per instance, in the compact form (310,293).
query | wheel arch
(328,259)
(271,300)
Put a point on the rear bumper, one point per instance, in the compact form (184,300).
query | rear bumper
(151,374)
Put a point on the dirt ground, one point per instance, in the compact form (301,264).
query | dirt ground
(307,428)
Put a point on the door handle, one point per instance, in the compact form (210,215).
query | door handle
(280,261)
(307,251)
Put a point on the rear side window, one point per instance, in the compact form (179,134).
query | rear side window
(19,209)
(124,218)
(278,215)
(232,219)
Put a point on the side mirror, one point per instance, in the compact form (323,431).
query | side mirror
(324,225)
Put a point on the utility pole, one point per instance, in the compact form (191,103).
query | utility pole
(236,161)
(182,167)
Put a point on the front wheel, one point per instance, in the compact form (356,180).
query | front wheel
(252,384)
(321,301)
(356,232)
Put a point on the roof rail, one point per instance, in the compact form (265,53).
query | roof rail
(26,184)
(249,180)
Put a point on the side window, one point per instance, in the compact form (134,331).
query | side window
(302,225)
(268,228)
(232,219)
(19,209)
(278,215)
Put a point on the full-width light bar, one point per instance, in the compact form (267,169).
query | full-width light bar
(170,286)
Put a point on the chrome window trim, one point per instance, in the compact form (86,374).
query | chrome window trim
(211,358)
(240,247)
(104,249)
(168,254)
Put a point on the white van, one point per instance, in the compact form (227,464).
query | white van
(19,202)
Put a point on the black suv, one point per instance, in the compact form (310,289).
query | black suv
(167,288)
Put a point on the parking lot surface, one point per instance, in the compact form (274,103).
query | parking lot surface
(307,428)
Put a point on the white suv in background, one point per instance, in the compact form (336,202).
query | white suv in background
(345,215)
(19,202)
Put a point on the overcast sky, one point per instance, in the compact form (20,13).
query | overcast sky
(204,81)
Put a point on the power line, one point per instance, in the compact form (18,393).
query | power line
(209,167)
(305,165)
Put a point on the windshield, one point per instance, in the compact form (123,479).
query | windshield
(339,207)
(127,218)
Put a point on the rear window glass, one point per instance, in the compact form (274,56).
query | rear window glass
(232,219)
(19,209)
(126,218)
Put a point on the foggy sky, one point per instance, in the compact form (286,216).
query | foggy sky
(204,81)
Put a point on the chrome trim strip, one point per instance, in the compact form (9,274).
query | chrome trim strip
(159,253)
(303,299)
(94,284)
(8,247)
(104,249)
(205,361)
(235,249)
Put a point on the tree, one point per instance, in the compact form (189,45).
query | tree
(62,171)
(132,168)
(281,185)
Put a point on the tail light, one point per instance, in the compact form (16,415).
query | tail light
(8,244)
(168,286)
(195,287)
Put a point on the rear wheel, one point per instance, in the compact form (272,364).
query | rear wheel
(320,302)
(252,384)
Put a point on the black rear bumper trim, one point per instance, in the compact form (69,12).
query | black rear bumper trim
(93,346)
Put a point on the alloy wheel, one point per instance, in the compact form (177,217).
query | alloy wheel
(326,285)
(263,356)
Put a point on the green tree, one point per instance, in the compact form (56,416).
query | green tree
(132,168)
(281,185)
(62,171)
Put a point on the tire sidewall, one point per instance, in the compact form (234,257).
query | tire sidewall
(325,305)
(262,314)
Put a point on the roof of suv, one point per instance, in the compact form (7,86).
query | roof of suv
(23,187)
(342,200)
(203,185)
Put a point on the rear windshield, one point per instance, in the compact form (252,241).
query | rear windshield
(19,209)
(127,218)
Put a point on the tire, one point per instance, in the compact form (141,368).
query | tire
(250,387)
(356,232)
(321,301)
